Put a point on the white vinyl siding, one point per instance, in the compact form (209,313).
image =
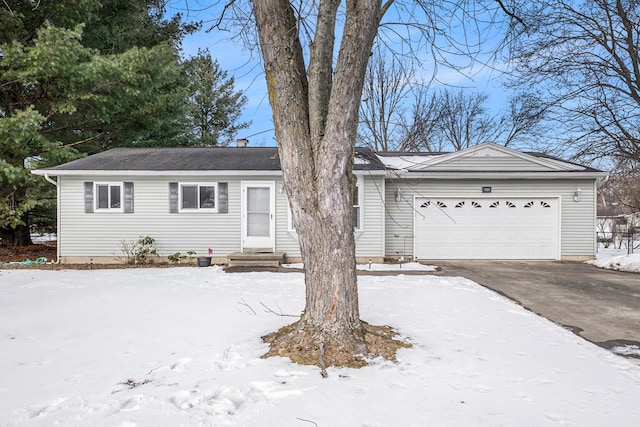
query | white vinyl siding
(370,238)
(489,163)
(83,234)
(577,220)
(176,232)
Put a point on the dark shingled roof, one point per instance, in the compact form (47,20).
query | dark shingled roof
(179,159)
(195,159)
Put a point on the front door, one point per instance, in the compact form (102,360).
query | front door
(258,222)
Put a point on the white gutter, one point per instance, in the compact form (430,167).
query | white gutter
(96,172)
(498,175)
(222,173)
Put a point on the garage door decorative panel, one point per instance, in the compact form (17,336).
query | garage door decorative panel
(500,228)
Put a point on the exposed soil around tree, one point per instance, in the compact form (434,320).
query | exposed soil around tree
(302,347)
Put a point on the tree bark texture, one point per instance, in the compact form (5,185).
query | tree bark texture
(315,112)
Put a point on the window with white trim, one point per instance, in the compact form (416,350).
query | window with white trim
(198,197)
(108,196)
(357,203)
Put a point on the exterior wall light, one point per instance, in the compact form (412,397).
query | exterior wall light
(398,195)
(577,195)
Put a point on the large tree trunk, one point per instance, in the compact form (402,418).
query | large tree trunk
(315,116)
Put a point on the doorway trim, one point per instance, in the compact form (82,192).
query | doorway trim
(260,242)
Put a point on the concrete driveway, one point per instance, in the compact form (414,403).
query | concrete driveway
(601,306)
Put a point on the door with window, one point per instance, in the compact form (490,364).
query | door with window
(258,219)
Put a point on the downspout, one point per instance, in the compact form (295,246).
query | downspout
(48,178)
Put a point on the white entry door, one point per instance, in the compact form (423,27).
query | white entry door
(258,219)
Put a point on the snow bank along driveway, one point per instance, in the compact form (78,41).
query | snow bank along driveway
(181,347)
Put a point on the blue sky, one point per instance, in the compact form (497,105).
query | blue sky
(246,68)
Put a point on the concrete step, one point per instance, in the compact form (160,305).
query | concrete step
(255,259)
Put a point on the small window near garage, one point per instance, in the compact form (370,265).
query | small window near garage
(198,197)
(459,204)
(357,203)
(425,204)
(476,204)
(510,204)
(528,204)
(544,204)
(108,197)
(495,204)
(441,205)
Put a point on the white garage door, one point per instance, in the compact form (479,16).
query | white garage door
(500,228)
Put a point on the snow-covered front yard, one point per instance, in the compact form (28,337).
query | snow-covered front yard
(181,347)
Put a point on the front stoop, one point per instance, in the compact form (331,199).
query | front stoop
(255,259)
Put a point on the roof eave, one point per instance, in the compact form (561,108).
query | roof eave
(58,172)
(501,175)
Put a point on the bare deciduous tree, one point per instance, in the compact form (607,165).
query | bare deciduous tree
(445,120)
(439,119)
(464,119)
(582,58)
(387,89)
(622,188)
(422,126)
(315,109)
(524,122)
(315,112)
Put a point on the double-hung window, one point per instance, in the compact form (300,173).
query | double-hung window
(196,197)
(108,196)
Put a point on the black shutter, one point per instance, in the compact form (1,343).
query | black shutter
(173,197)
(88,197)
(223,197)
(128,197)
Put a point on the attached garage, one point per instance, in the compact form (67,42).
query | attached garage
(487,228)
(489,202)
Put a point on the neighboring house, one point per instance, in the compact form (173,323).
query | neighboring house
(485,202)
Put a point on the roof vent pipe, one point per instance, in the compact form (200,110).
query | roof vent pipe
(242,142)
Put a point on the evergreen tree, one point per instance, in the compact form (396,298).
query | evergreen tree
(75,81)
(214,106)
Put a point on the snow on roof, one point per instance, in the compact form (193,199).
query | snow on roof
(407,160)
